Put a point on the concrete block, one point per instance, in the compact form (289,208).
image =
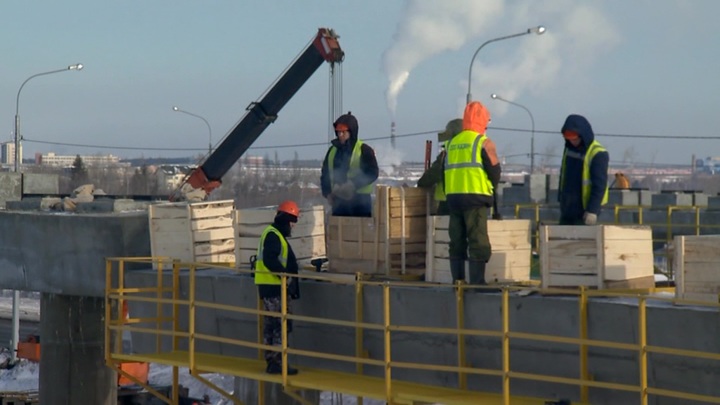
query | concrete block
(552,197)
(713,203)
(516,194)
(664,200)
(646,197)
(537,186)
(96,206)
(125,204)
(623,197)
(553,181)
(26,204)
(10,187)
(700,199)
(41,183)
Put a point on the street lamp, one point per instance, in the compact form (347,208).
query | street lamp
(18,137)
(532,133)
(175,108)
(539,30)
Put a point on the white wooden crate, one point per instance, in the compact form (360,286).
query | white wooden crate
(307,240)
(392,241)
(697,267)
(511,251)
(600,256)
(192,232)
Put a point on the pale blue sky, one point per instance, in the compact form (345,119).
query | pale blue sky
(631,67)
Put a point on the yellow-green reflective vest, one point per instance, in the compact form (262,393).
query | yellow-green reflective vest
(263,275)
(440,187)
(354,169)
(464,173)
(593,150)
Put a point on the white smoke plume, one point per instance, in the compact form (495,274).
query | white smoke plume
(579,33)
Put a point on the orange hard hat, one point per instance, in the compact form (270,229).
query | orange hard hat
(289,207)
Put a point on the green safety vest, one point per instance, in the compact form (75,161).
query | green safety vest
(263,275)
(354,169)
(440,187)
(464,173)
(593,150)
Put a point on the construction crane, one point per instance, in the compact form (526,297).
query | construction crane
(199,183)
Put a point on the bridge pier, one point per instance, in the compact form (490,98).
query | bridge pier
(72,366)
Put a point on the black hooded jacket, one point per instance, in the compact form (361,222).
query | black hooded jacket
(570,190)
(341,165)
(272,248)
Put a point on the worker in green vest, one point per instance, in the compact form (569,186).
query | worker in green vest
(274,256)
(434,176)
(583,186)
(349,171)
(472,173)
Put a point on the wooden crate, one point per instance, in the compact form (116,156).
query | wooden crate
(511,251)
(193,232)
(599,256)
(697,268)
(392,241)
(307,240)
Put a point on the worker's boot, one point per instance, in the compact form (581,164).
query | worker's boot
(457,270)
(477,272)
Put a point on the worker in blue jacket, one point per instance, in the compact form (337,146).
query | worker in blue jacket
(583,174)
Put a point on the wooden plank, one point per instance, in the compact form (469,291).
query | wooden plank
(693,296)
(504,240)
(307,246)
(497,271)
(626,232)
(168,210)
(170,225)
(571,256)
(256,230)
(701,272)
(700,249)
(214,246)
(216,258)
(570,280)
(213,234)
(679,266)
(700,287)
(632,283)
(628,259)
(443,222)
(211,209)
(366,250)
(224,221)
(573,232)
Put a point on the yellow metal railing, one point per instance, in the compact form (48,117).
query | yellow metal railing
(165,327)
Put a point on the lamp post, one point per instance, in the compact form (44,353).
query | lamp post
(18,157)
(539,30)
(532,133)
(175,108)
(18,137)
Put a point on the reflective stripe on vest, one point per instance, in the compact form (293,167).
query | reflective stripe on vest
(586,186)
(439,194)
(593,150)
(263,275)
(354,167)
(464,172)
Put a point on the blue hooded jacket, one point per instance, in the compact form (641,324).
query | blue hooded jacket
(570,190)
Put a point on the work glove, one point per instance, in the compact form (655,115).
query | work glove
(589,218)
(344,191)
(294,288)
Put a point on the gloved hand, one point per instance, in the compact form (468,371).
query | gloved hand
(294,288)
(590,218)
(344,191)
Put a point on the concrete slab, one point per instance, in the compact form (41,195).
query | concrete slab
(10,187)
(41,183)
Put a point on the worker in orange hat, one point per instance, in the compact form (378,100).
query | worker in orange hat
(621,182)
(349,171)
(583,174)
(274,256)
(472,173)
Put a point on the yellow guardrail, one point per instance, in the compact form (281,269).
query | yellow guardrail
(171,309)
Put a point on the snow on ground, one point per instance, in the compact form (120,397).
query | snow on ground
(25,376)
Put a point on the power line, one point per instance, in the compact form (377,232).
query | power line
(303,145)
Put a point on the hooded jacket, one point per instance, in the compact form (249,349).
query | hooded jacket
(476,119)
(341,163)
(570,190)
(272,249)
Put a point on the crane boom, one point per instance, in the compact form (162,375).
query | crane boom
(260,114)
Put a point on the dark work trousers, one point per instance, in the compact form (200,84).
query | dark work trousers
(469,234)
(272,329)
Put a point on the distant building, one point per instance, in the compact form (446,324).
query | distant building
(171,176)
(51,159)
(7,153)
